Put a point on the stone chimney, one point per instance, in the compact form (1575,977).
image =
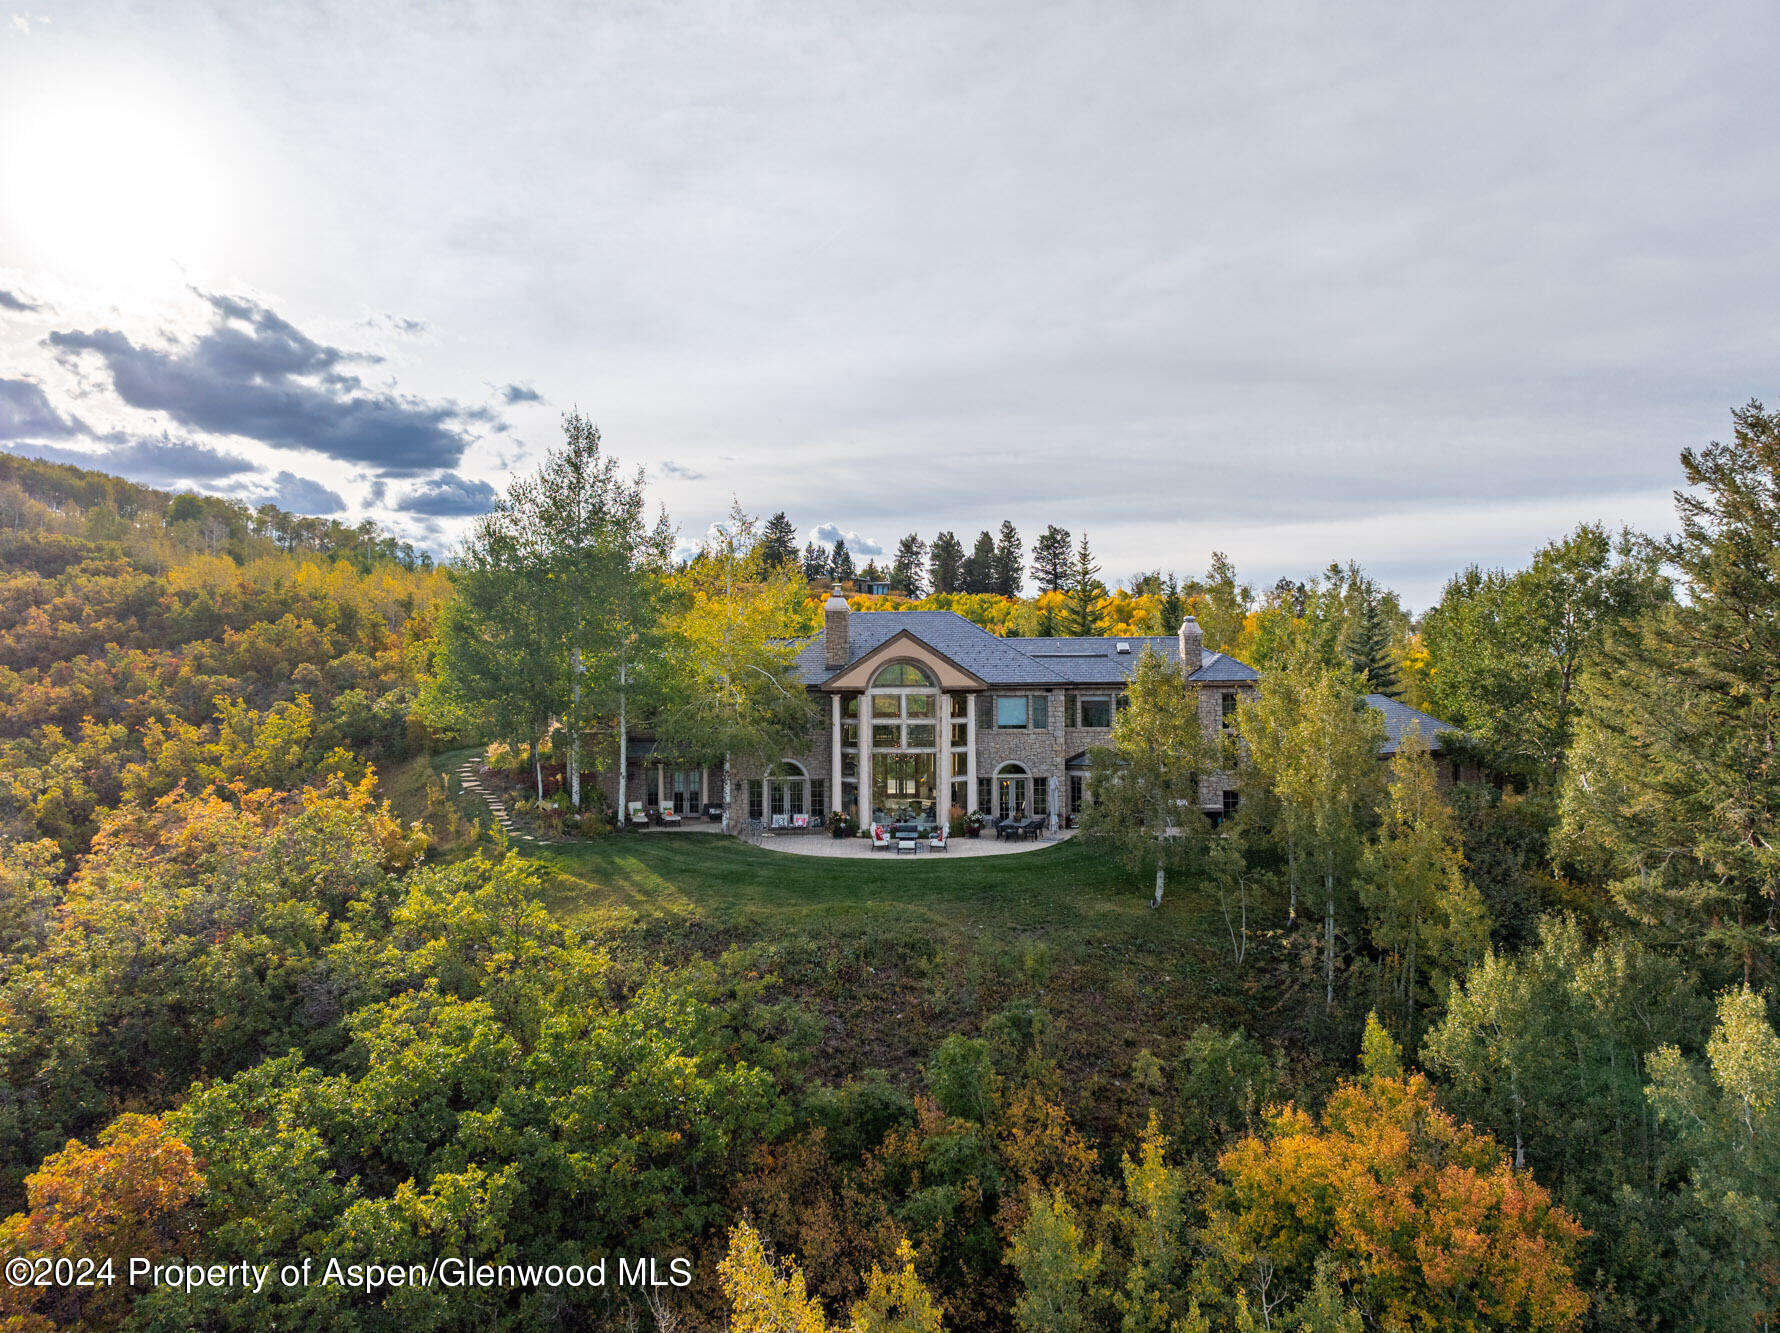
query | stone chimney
(834,630)
(1192,646)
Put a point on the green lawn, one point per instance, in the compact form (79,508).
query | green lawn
(887,956)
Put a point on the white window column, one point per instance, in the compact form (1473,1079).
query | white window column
(865,810)
(834,785)
(943,762)
(971,709)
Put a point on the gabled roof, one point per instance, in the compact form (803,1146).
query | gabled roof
(1053,663)
(1400,717)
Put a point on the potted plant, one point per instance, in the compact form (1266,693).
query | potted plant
(839,826)
(973,824)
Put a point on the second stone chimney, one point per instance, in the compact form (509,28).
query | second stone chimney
(834,630)
(1192,646)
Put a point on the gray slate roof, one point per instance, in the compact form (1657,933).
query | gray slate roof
(1399,717)
(1044,663)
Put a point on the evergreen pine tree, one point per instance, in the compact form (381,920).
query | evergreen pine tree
(778,543)
(946,564)
(979,565)
(1051,559)
(1009,578)
(840,561)
(1081,615)
(907,574)
(815,562)
(1368,644)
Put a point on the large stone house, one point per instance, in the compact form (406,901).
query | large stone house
(928,714)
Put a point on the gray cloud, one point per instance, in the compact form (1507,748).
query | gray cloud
(255,375)
(669,468)
(448,496)
(152,462)
(13,301)
(26,413)
(827,534)
(302,496)
(520,393)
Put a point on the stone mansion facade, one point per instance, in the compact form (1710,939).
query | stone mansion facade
(925,714)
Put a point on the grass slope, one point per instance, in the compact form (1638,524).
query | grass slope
(888,956)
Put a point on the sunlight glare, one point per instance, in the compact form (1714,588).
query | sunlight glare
(112,185)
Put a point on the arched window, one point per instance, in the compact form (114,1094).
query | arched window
(902,676)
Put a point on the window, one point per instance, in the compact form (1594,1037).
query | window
(985,790)
(1228,706)
(1041,712)
(922,736)
(1232,799)
(960,764)
(1010,710)
(1075,792)
(920,705)
(849,735)
(818,796)
(1097,712)
(1041,797)
(961,706)
(850,706)
(886,737)
(901,675)
(754,799)
(886,705)
(961,735)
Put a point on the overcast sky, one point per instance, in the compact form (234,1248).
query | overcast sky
(1413,285)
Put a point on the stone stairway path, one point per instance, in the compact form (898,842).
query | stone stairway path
(466,776)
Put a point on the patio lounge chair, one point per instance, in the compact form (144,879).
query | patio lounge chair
(781,821)
(881,841)
(714,814)
(670,817)
(638,815)
(937,841)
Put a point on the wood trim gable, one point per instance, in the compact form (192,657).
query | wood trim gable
(903,645)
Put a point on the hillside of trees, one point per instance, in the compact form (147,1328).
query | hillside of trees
(1506,1057)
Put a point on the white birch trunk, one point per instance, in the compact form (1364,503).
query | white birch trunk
(575,729)
(623,743)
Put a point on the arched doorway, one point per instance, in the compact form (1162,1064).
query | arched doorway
(1012,792)
(787,793)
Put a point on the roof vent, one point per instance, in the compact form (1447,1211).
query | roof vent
(1124,647)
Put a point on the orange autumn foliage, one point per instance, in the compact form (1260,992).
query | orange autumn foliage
(126,1197)
(1428,1225)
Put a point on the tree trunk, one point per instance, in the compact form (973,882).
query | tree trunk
(1292,879)
(538,766)
(575,729)
(1161,876)
(623,743)
(1329,929)
(728,797)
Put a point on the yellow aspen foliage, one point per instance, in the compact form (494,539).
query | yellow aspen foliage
(763,1301)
